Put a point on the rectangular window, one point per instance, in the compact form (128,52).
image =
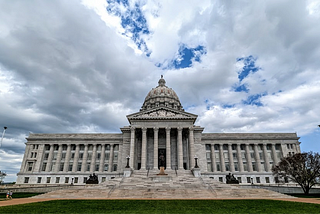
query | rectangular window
(208,147)
(66,180)
(30,165)
(227,166)
(103,179)
(115,158)
(46,156)
(80,156)
(35,155)
(70,167)
(97,167)
(79,167)
(234,147)
(107,156)
(239,179)
(88,166)
(57,180)
(61,166)
(26,180)
(39,180)
(236,167)
(108,147)
(254,166)
(248,180)
(76,180)
(63,156)
(115,167)
(72,155)
(267,180)
(234,155)
(116,147)
(85,179)
(218,167)
(48,180)
(258,180)
(44,166)
(106,167)
(221,179)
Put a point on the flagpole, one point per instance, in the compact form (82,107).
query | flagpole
(4,131)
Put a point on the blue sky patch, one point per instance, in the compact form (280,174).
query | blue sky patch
(240,88)
(249,66)
(186,55)
(254,99)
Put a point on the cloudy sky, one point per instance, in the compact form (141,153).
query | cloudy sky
(81,66)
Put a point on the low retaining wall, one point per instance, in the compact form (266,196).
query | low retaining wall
(283,189)
(35,188)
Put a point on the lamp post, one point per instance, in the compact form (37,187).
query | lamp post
(196,161)
(251,180)
(128,158)
(4,131)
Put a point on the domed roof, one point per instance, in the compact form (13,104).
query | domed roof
(161,96)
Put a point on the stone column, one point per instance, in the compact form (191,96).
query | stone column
(191,147)
(180,149)
(231,161)
(84,160)
(213,159)
(131,161)
(49,163)
(111,158)
(240,162)
(93,159)
(257,157)
(222,161)
(274,154)
(144,148)
(168,148)
(249,161)
(58,158)
(155,148)
(67,160)
(266,158)
(103,154)
(76,158)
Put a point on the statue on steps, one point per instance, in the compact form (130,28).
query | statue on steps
(93,179)
(231,179)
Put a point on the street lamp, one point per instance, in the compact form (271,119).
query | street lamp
(4,131)
(128,158)
(196,161)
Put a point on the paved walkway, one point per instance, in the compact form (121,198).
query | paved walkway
(33,200)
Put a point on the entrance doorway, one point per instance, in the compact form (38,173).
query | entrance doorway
(162,158)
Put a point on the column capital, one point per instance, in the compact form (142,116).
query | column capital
(132,128)
(144,129)
(155,128)
(179,128)
(191,128)
(168,128)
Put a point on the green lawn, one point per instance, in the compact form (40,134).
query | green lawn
(163,206)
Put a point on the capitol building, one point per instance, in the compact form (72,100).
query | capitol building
(160,128)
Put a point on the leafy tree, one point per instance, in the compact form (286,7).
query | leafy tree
(302,168)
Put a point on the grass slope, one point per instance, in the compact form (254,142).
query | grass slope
(163,206)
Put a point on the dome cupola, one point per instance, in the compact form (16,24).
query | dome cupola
(161,96)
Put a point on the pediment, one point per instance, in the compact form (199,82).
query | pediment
(162,113)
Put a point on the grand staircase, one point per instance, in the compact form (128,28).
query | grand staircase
(149,185)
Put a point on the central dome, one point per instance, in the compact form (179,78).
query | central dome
(161,96)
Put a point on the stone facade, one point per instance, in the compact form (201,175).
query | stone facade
(161,127)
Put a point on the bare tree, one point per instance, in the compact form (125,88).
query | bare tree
(302,168)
